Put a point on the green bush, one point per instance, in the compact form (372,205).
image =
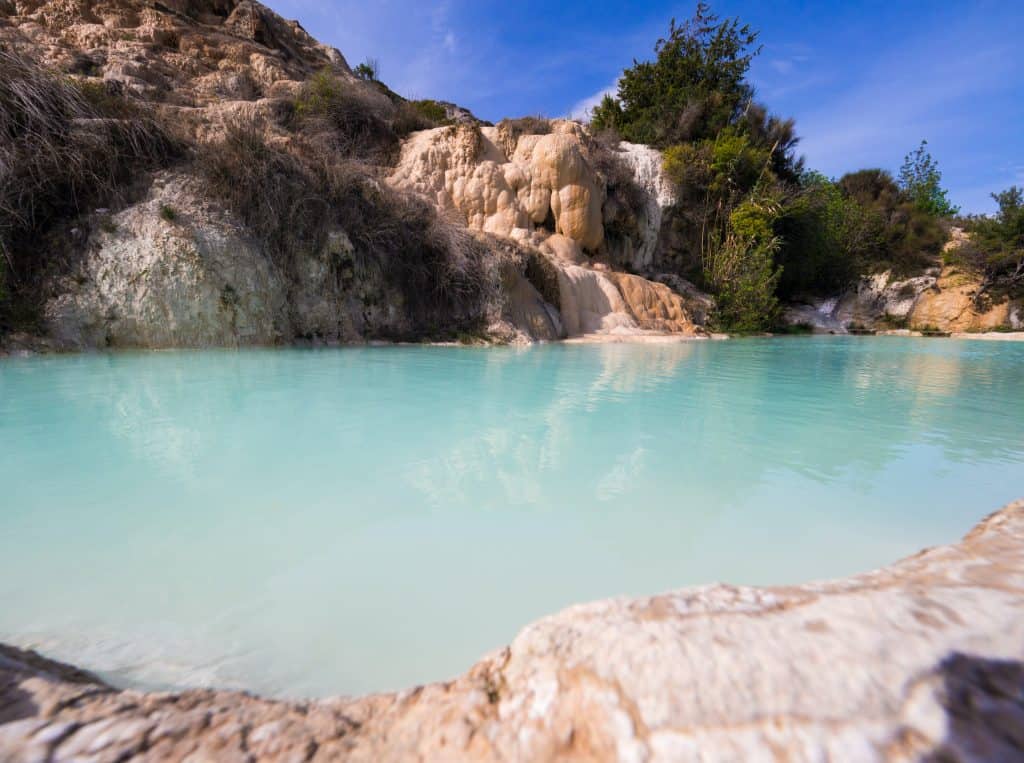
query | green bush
(826,237)
(743,275)
(921,182)
(897,235)
(432,111)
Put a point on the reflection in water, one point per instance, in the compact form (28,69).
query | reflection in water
(284,520)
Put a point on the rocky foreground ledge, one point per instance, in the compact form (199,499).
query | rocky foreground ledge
(920,660)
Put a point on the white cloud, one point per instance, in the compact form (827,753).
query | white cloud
(581,109)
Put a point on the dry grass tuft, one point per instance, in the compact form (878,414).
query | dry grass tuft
(64,148)
(292,198)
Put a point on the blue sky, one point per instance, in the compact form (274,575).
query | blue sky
(865,81)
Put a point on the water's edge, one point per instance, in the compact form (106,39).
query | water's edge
(31,346)
(696,669)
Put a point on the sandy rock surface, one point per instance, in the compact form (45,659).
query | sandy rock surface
(922,660)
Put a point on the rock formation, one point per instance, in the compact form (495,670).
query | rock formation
(178,270)
(174,268)
(923,660)
(543,191)
(942,299)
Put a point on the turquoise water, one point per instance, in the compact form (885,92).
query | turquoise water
(310,522)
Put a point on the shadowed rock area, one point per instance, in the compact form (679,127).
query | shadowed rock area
(922,660)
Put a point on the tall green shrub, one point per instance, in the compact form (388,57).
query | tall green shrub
(921,182)
(694,88)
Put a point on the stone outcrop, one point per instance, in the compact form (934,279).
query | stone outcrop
(200,278)
(542,191)
(942,299)
(202,60)
(467,172)
(922,660)
(177,270)
(951,306)
(659,196)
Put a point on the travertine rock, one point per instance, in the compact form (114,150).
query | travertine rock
(659,197)
(950,306)
(196,280)
(177,270)
(512,186)
(922,660)
(179,53)
(654,306)
(465,171)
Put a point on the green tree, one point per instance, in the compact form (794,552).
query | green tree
(826,237)
(693,89)
(997,246)
(906,238)
(921,182)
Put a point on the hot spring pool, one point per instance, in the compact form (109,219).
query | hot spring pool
(312,522)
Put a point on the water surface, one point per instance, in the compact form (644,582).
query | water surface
(340,521)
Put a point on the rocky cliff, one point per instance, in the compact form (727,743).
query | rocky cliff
(172,263)
(923,660)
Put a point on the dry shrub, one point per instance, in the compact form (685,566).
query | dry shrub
(356,119)
(65,147)
(511,130)
(292,198)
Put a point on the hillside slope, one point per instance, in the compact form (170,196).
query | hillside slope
(282,215)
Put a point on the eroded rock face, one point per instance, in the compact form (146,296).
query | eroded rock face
(177,270)
(951,306)
(542,191)
(659,197)
(921,660)
(150,281)
(466,171)
(179,53)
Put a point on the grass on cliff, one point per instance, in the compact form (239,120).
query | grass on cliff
(359,119)
(65,149)
(292,198)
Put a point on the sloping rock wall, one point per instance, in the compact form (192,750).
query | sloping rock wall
(177,270)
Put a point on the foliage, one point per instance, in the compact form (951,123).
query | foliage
(744,276)
(744,199)
(693,89)
(432,111)
(355,119)
(827,237)
(997,245)
(921,182)
(368,70)
(903,237)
